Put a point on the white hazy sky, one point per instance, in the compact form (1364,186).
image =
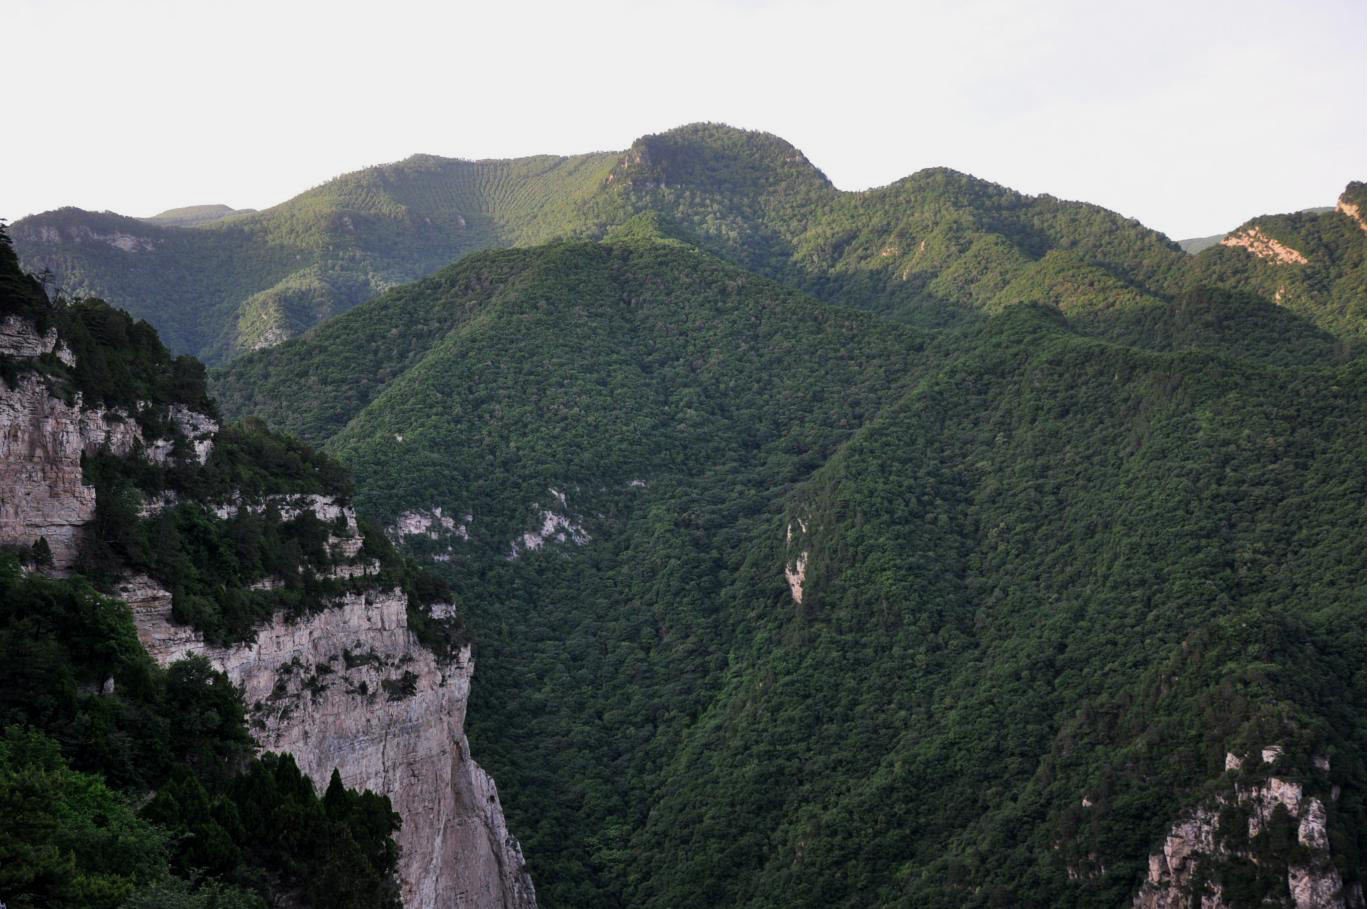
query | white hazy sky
(1191,116)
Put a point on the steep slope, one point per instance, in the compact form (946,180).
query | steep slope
(251,280)
(235,558)
(931,249)
(781,603)
(1312,263)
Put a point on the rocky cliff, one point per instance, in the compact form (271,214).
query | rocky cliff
(1267,825)
(42,439)
(346,685)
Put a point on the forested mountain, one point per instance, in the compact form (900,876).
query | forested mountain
(1312,263)
(175,597)
(934,545)
(251,280)
(935,249)
(782,602)
(192,215)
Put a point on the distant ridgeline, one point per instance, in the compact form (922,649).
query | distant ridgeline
(783,603)
(936,248)
(132,782)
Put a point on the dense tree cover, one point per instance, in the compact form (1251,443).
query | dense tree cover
(233,283)
(119,362)
(192,215)
(211,564)
(1327,290)
(94,728)
(124,784)
(934,249)
(214,564)
(1075,550)
(1093,524)
(1232,322)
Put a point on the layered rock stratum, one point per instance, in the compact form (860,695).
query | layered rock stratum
(347,687)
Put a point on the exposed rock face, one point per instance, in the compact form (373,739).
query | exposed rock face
(1172,869)
(18,338)
(795,575)
(1264,246)
(276,334)
(1197,842)
(795,571)
(42,438)
(554,526)
(430,523)
(127,242)
(351,688)
(1352,210)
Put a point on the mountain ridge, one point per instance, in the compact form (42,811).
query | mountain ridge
(929,248)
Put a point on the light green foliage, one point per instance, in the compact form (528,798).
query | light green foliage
(66,839)
(1076,514)
(192,215)
(232,283)
(935,249)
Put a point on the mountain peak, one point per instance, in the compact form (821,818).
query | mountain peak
(716,155)
(191,215)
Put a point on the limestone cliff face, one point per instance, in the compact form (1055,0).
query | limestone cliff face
(351,687)
(42,439)
(347,687)
(1184,871)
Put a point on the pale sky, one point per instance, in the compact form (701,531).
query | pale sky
(1191,116)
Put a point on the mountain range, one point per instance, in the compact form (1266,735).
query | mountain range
(781,602)
(930,546)
(934,249)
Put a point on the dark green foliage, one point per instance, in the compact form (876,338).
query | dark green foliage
(66,839)
(61,643)
(1327,290)
(92,725)
(213,565)
(267,829)
(21,295)
(120,362)
(1079,549)
(1100,527)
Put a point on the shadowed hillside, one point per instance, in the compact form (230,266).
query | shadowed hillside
(781,603)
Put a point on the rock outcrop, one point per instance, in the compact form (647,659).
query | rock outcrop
(1345,207)
(1184,871)
(1264,246)
(42,491)
(555,526)
(795,570)
(352,688)
(348,686)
